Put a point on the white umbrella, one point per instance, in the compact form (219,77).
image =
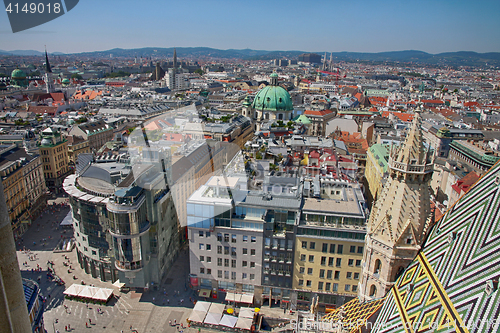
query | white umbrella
(197,316)
(228,321)
(244,323)
(202,306)
(217,308)
(212,318)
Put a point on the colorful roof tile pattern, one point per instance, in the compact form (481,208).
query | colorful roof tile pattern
(452,284)
(354,315)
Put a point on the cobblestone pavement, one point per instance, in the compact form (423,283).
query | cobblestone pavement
(140,312)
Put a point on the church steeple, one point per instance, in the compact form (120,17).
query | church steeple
(175,60)
(47,64)
(400,218)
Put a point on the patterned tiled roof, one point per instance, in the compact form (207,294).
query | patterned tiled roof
(452,284)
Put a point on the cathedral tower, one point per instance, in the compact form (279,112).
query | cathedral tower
(400,218)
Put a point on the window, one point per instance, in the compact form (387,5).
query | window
(202,246)
(332,248)
(347,287)
(201,233)
(354,288)
(327,286)
(202,270)
(301,270)
(253,239)
(320,285)
(312,245)
(252,264)
(233,275)
(252,276)
(324,249)
(226,262)
(219,261)
(337,275)
(360,251)
(207,234)
(304,245)
(219,238)
(219,274)
(329,274)
(226,238)
(322,273)
(358,263)
(352,249)
(233,251)
(308,283)
(378,266)
(219,249)
(243,275)
(209,271)
(209,247)
(209,259)
(226,275)
(350,262)
(301,282)
(233,263)
(330,261)
(339,262)
(202,258)
(323,261)
(226,249)
(244,264)
(245,251)
(302,257)
(309,271)
(245,238)
(373,290)
(233,238)
(356,276)
(252,252)
(335,287)
(311,258)
(349,275)
(340,249)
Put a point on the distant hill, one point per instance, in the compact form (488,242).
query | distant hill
(462,58)
(27,53)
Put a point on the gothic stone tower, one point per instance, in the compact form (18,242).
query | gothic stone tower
(49,85)
(400,218)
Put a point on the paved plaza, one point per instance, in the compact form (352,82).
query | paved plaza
(143,312)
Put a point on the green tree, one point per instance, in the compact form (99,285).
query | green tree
(76,76)
(199,71)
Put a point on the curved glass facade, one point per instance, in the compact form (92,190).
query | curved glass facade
(128,222)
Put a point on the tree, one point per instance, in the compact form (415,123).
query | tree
(76,76)
(199,71)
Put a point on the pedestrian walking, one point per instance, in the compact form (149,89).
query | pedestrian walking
(86,324)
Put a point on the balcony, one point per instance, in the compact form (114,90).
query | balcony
(128,266)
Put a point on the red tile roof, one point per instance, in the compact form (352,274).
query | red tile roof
(318,113)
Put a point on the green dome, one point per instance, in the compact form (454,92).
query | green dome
(274,75)
(65,81)
(273,98)
(18,74)
(302,119)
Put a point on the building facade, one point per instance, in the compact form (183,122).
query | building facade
(54,153)
(97,133)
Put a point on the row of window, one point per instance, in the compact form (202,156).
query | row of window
(328,285)
(244,276)
(338,261)
(340,248)
(349,275)
(244,263)
(234,238)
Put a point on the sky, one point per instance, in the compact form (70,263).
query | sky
(432,26)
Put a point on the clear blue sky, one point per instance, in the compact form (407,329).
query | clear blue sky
(432,26)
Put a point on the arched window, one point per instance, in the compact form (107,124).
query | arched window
(378,266)
(399,272)
(373,290)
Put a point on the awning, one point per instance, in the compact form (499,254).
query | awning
(232,297)
(68,220)
(88,292)
(228,321)
(74,290)
(103,294)
(217,308)
(118,284)
(202,306)
(204,293)
(244,323)
(197,316)
(246,313)
(212,318)
(247,298)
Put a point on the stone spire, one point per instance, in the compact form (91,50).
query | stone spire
(49,84)
(47,64)
(400,218)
